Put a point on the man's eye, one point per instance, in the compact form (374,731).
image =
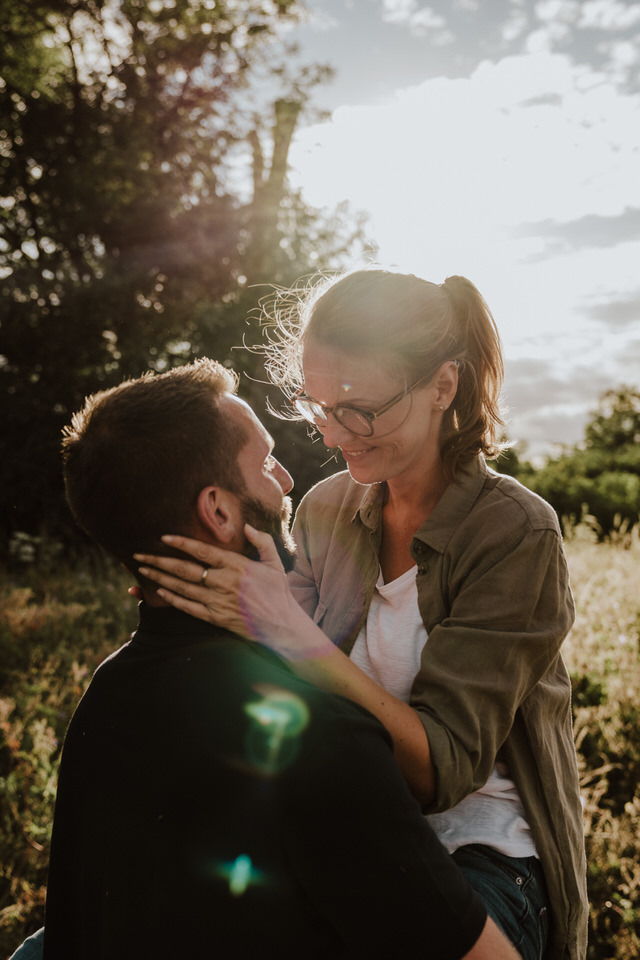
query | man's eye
(270,463)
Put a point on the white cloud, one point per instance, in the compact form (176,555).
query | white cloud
(529,138)
(450,168)
(568,20)
(623,59)
(421,20)
(625,53)
(398,11)
(555,11)
(558,18)
(608,15)
(428,18)
(515,25)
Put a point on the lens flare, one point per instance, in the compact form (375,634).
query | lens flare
(279,717)
(240,875)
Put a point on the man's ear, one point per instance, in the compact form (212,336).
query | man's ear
(218,511)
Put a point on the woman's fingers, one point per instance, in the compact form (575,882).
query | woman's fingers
(265,546)
(181,603)
(218,586)
(183,569)
(215,602)
(205,553)
(179,584)
(194,588)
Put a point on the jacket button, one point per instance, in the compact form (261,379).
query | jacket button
(422,568)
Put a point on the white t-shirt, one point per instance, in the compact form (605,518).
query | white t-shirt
(388,650)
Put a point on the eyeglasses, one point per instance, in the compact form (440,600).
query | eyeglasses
(352,419)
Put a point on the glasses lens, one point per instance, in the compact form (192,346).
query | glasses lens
(353,421)
(311,411)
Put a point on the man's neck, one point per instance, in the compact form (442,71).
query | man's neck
(152,599)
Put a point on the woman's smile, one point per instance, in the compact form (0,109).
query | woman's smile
(354,454)
(405,438)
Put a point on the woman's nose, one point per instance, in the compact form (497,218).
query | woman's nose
(333,433)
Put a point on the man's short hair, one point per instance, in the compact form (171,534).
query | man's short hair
(137,456)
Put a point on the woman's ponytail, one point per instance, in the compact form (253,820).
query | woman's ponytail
(473,423)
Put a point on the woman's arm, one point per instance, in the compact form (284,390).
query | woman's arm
(253,599)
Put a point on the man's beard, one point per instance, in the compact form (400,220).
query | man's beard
(274,522)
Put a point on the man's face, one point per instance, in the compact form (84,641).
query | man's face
(263,501)
(273,522)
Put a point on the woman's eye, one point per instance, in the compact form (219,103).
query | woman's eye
(352,411)
(270,463)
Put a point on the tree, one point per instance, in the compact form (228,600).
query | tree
(599,479)
(124,241)
(615,425)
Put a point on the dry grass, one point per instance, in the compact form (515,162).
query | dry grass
(55,628)
(603,657)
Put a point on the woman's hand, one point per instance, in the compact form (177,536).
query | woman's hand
(248,597)
(253,599)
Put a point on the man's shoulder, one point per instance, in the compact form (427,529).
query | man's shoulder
(334,733)
(150,665)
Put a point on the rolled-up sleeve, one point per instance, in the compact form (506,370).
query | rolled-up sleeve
(505,609)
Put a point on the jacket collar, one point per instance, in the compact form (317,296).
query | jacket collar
(451,510)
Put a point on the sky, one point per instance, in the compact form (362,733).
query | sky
(498,139)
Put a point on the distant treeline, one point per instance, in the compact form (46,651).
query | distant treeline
(598,480)
(129,240)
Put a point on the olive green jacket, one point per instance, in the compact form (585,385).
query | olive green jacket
(493,592)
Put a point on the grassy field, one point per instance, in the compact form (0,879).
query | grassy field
(603,657)
(56,627)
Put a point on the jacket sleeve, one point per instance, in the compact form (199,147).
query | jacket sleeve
(337,562)
(506,609)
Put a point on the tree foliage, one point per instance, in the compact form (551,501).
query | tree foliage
(130,237)
(599,479)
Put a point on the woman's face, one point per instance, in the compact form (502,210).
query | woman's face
(405,439)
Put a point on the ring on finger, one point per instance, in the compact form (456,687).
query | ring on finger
(203,576)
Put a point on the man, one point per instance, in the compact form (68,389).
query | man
(210,802)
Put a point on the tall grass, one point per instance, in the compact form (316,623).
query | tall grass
(603,657)
(56,626)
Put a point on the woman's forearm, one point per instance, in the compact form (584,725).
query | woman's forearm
(315,658)
(254,600)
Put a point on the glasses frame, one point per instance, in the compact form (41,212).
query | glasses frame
(369,416)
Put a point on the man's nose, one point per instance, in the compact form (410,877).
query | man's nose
(284,478)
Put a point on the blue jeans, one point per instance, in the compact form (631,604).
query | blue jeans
(514,893)
(31,949)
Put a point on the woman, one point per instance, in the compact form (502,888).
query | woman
(442,586)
